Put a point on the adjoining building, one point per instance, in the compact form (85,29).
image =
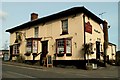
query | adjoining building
(118,58)
(4,54)
(62,36)
(111,53)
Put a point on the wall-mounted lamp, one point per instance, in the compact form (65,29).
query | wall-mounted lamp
(108,26)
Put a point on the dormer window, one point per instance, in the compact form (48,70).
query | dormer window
(65,26)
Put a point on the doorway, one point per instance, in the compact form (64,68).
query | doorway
(11,52)
(44,52)
(97,50)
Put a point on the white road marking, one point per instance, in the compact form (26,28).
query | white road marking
(20,74)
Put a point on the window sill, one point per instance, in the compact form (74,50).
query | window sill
(63,34)
(15,55)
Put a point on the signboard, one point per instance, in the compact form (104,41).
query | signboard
(49,61)
(88,27)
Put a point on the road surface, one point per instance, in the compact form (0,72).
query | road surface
(15,71)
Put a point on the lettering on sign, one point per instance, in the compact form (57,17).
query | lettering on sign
(96,31)
(88,27)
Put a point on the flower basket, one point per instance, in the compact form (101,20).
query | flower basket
(27,54)
(34,54)
(92,52)
(112,53)
(60,55)
(102,54)
(68,54)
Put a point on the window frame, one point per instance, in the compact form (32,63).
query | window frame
(36,32)
(65,45)
(33,45)
(63,27)
(16,50)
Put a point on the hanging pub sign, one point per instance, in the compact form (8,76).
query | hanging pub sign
(88,27)
(18,37)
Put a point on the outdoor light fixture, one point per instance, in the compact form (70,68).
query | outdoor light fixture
(108,26)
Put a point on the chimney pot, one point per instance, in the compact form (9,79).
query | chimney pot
(34,16)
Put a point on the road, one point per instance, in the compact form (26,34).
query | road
(15,71)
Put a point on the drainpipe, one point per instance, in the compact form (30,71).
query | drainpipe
(105,30)
(84,36)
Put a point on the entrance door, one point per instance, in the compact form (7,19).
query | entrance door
(11,52)
(44,51)
(97,50)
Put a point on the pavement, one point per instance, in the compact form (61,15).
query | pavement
(109,67)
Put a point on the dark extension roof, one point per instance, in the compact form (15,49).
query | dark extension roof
(71,11)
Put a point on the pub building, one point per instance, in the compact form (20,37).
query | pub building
(62,36)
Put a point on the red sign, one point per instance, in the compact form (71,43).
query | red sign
(88,27)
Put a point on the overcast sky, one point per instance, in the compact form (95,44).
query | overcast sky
(16,13)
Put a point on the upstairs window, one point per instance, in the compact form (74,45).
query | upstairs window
(65,26)
(36,31)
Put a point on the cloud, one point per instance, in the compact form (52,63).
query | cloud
(2,15)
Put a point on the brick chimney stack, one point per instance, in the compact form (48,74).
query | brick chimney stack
(34,16)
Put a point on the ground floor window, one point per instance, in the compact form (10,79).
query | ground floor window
(29,46)
(32,46)
(63,46)
(16,49)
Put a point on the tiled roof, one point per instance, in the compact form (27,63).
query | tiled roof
(65,13)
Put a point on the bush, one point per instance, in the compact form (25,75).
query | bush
(20,59)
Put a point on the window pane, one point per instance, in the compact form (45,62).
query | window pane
(65,26)
(60,46)
(16,49)
(36,32)
(28,46)
(60,50)
(68,46)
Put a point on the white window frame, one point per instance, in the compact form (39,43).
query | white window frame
(16,49)
(65,26)
(64,45)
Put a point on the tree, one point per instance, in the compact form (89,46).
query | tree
(88,50)
(5,46)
